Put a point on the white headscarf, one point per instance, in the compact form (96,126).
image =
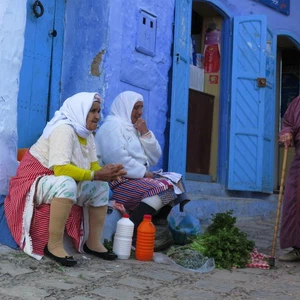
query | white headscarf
(74,111)
(122,107)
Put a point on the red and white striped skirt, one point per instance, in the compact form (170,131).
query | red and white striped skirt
(130,192)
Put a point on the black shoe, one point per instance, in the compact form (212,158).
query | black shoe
(67,261)
(104,255)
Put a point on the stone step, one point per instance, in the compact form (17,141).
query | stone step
(196,188)
(202,207)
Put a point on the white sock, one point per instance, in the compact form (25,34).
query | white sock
(154,201)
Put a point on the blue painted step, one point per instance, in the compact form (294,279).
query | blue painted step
(212,198)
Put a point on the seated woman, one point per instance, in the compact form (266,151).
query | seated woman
(125,138)
(58,176)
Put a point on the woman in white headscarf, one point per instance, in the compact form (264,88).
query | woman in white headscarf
(125,138)
(58,176)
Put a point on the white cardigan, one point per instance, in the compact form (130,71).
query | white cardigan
(116,144)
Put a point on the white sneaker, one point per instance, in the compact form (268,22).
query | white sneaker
(293,255)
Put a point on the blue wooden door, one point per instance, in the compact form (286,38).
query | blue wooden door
(269,114)
(251,148)
(180,86)
(35,76)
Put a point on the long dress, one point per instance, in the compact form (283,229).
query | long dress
(290,223)
(28,223)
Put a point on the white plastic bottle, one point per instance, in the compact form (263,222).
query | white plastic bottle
(123,237)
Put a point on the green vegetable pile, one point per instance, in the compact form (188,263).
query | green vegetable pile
(224,242)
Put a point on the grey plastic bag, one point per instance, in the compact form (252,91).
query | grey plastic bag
(208,265)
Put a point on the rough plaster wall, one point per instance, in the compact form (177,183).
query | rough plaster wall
(100,55)
(12,27)
(127,69)
(276,21)
(85,41)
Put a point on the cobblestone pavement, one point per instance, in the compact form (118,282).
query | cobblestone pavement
(22,277)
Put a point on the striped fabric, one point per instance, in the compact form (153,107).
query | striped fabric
(130,192)
(29,224)
(259,260)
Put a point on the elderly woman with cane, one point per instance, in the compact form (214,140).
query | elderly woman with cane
(125,138)
(60,186)
(290,222)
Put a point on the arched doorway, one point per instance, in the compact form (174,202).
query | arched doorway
(288,88)
(240,120)
(203,158)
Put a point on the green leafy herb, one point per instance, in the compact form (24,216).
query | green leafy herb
(227,244)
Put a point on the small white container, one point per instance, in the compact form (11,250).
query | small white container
(123,237)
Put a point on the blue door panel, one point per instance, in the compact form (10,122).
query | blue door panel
(269,113)
(180,86)
(35,75)
(247,100)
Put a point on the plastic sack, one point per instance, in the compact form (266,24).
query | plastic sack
(110,224)
(161,258)
(187,227)
(163,237)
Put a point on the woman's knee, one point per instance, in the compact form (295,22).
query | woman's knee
(95,193)
(67,188)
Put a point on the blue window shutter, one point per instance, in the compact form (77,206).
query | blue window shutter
(250,139)
(180,86)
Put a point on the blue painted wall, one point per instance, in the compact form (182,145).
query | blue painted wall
(277,22)
(85,45)
(111,27)
(12,28)
(127,69)
(99,50)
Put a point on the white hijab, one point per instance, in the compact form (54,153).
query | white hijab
(74,112)
(121,108)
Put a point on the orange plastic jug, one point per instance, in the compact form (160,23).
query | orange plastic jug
(145,239)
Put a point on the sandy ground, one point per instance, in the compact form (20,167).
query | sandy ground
(23,277)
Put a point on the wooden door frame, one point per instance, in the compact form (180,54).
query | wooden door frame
(225,88)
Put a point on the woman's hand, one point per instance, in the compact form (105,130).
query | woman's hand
(141,126)
(286,139)
(110,172)
(149,175)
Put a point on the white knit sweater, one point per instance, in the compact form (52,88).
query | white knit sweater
(116,144)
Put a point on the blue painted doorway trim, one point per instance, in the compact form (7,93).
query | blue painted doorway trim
(180,87)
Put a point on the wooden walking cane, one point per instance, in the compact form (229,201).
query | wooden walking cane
(272,258)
